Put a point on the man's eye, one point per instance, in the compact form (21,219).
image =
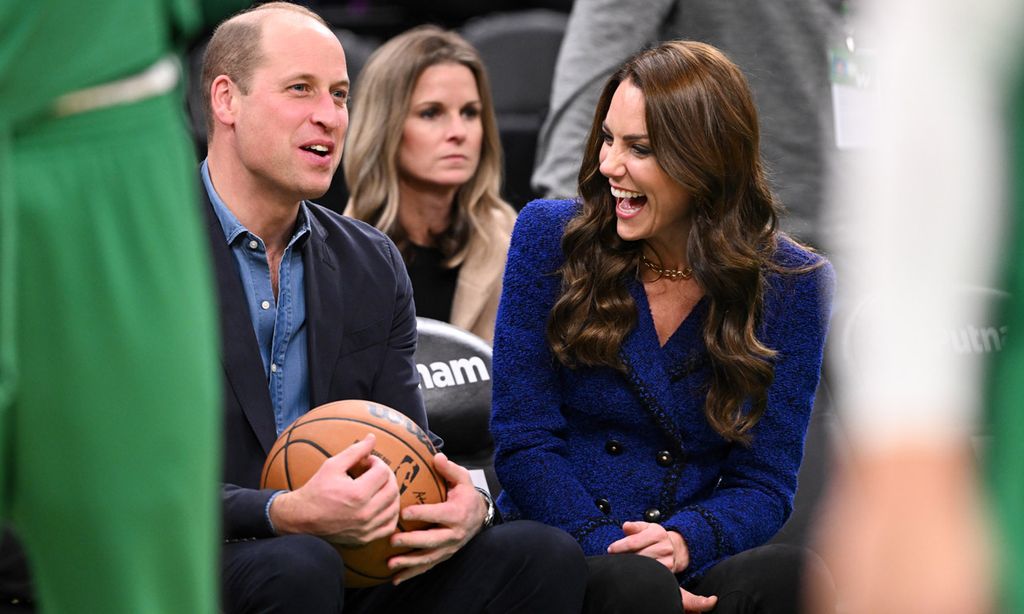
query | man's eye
(341,95)
(299,87)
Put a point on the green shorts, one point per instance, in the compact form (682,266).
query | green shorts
(109,373)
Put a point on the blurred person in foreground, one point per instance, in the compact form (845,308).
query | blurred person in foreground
(109,436)
(906,529)
(658,348)
(424,165)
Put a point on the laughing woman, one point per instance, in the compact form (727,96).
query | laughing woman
(658,347)
(423,164)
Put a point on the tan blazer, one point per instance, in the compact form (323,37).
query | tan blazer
(475,304)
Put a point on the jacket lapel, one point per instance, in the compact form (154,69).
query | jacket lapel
(324,310)
(649,367)
(241,358)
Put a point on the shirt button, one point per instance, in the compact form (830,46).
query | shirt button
(603,505)
(664,458)
(265,304)
(652,515)
(273,367)
(613,447)
(253,244)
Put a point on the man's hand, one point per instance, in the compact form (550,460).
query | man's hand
(654,541)
(459,519)
(343,509)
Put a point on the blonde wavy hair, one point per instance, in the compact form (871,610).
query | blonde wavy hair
(382,97)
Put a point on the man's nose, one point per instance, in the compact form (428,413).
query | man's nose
(327,112)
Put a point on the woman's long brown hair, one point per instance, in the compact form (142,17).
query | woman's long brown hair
(703,129)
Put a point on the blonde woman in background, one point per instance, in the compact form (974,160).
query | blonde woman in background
(423,164)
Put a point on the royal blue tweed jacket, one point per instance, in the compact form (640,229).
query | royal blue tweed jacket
(589,448)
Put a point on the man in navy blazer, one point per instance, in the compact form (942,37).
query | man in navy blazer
(316,308)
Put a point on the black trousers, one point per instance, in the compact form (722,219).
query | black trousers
(630,584)
(765,580)
(518,567)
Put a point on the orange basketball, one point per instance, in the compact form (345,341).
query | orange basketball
(401,444)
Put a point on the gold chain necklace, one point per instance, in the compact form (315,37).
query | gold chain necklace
(672,274)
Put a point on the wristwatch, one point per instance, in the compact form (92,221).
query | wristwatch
(490,515)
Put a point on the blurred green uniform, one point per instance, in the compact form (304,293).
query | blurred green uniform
(1006,416)
(109,396)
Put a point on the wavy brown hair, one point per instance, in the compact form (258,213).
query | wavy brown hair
(384,91)
(703,130)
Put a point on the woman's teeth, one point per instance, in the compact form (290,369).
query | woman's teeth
(618,193)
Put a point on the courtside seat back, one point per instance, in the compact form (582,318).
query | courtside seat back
(455,376)
(519,49)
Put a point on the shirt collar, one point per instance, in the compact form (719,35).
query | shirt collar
(233,228)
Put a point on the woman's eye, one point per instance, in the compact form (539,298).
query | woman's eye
(607,138)
(641,150)
(471,112)
(430,113)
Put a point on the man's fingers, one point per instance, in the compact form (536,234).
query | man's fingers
(381,511)
(377,519)
(384,504)
(385,529)
(361,466)
(355,453)
(377,477)
(411,572)
(433,513)
(417,561)
(426,539)
(452,473)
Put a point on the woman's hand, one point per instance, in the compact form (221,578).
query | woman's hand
(696,603)
(669,549)
(654,541)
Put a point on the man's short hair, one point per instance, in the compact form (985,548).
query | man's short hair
(234,49)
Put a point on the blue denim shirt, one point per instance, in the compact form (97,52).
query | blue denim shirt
(280,325)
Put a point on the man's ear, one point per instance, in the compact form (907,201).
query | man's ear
(224,100)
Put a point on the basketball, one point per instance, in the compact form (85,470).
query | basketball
(327,430)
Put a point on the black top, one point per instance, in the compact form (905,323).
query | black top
(433,286)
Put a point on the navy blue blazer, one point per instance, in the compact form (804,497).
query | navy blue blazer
(361,325)
(587,449)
